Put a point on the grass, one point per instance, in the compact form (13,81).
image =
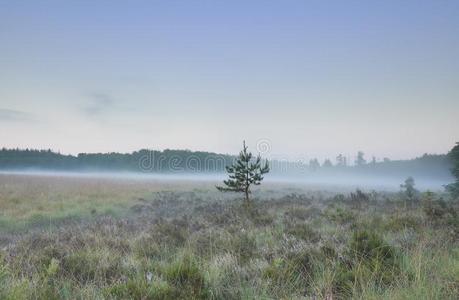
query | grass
(114,239)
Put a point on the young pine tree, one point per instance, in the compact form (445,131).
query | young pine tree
(244,173)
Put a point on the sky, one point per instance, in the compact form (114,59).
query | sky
(295,79)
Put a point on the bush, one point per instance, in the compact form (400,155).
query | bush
(359,199)
(435,210)
(369,250)
(295,270)
(185,275)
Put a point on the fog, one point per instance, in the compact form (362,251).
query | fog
(316,181)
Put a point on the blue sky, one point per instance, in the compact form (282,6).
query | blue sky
(314,78)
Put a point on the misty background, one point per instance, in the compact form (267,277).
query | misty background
(430,171)
(316,78)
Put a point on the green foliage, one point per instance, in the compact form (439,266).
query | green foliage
(453,156)
(369,250)
(409,192)
(244,173)
(294,269)
(368,246)
(435,209)
(187,278)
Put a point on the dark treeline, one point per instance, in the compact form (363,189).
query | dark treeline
(434,166)
(138,161)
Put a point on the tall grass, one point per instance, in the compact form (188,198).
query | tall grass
(198,244)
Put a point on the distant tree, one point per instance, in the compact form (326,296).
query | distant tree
(327,164)
(341,161)
(360,160)
(373,161)
(386,159)
(453,156)
(244,173)
(314,164)
(409,191)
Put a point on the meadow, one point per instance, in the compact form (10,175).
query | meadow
(101,238)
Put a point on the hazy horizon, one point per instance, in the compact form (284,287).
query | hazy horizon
(308,78)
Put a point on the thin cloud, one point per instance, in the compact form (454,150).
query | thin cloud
(99,104)
(10,115)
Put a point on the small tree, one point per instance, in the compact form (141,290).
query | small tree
(327,164)
(340,161)
(409,191)
(453,155)
(244,173)
(360,161)
(314,164)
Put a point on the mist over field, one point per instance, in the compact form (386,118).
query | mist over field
(329,180)
(226,150)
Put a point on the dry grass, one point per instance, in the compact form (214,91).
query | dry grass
(182,240)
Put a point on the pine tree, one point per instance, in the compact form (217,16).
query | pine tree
(244,173)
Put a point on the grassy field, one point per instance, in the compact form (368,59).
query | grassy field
(95,238)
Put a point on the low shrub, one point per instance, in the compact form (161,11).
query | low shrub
(244,246)
(367,249)
(302,213)
(340,215)
(170,233)
(90,266)
(304,232)
(186,277)
(400,222)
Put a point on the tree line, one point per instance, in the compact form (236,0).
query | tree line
(198,161)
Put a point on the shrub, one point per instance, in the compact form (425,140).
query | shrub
(170,233)
(370,250)
(185,275)
(260,218)
(340,215)
(292,271)
(359,199)
(304,232)
(435,210)
(244,245)
(89,266)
